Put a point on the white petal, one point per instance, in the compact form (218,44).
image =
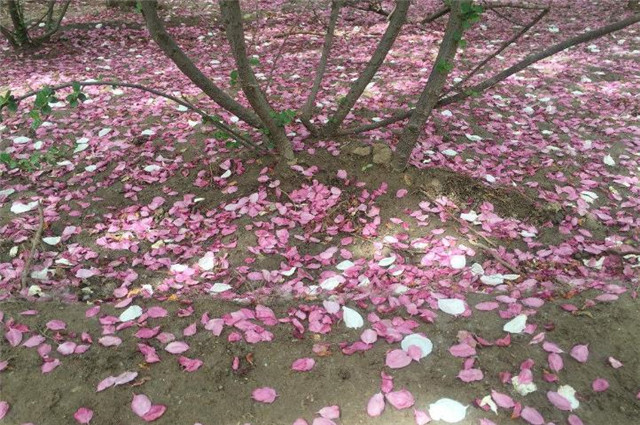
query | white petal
(476,269)
(449,152)
(418,340)
(488,401)
(226,174)
(447,410)
(387,261)
(458,262)
(352,319)
(21,140)
(131,313)
(473,137)
(452,306)
(471,216)
(346,264)
(289,272)
(569,393)
(219,287)
(104,132)
(19,208)
(7,192)
(13,251)
(207,261)
(332,282)
(608,160)
(151,168)
(523,389)
(516,325)
(147,132)
(52,240)
(492,279)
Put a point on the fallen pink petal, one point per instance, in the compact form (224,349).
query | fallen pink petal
(83,415)
(264,395)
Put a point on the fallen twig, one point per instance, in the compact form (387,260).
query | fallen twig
(496,257)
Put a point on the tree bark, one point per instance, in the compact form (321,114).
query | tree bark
(20,33)
(432,90)
(188,68)
(396,22)
(232,16)
(305,114)
(633,5)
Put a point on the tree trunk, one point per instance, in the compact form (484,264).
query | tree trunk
(188,68)
(346,104)
(433,88)
(121,4)
(633,5)
(232,16)
(20,33)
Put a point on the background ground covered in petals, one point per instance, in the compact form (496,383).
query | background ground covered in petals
(182,280)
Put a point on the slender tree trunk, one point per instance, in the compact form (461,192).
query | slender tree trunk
(232,16)
(55,26)
(49,22)
(188,68)
(20,33)
(357,88)
(305,115)
(433,88)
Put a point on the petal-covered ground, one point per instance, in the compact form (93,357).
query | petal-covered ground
(181,280)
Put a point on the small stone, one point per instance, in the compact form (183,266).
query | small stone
(361,150)
(382,154)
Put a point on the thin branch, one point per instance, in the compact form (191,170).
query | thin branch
(504,45)
(371,6)
(497,257)
(216,123)
(55,26)
(487,6)
(188,68)
(34,244)
(278,55)
(305,115)
(536,57)
(435,15)
(396,22)
(528,61)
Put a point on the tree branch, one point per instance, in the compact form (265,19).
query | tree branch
(216,123)
(232,16)
(305,114)
(528,61)
(371,6)
(432,90)
(504,45)
(188,68)
(55,26)
(357,88)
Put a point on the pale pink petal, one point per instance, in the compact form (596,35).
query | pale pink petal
(190,330)
(125,378)
(421,417)
(56,325)
(156,312)
(615,363)
(14,336)
(300,421)
(470,375)
(550,347)
(3,365)
(402,399)
(375,406)
(323,421)
(485,421)
(177,347)
(330,412)
(140,404)
(264,395)
(580,353)
(83,415)
(532,416)
(190,365)
(462,350)
(303,365)
(110,341)
(599,385)
(555,362)
(154,412)
(397,359)
(106,383)
(559,401)
(487,306)
(369,336)
(574,420)
(502,400)
(48,366)
(4,409)
(34,341)
(66,348)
